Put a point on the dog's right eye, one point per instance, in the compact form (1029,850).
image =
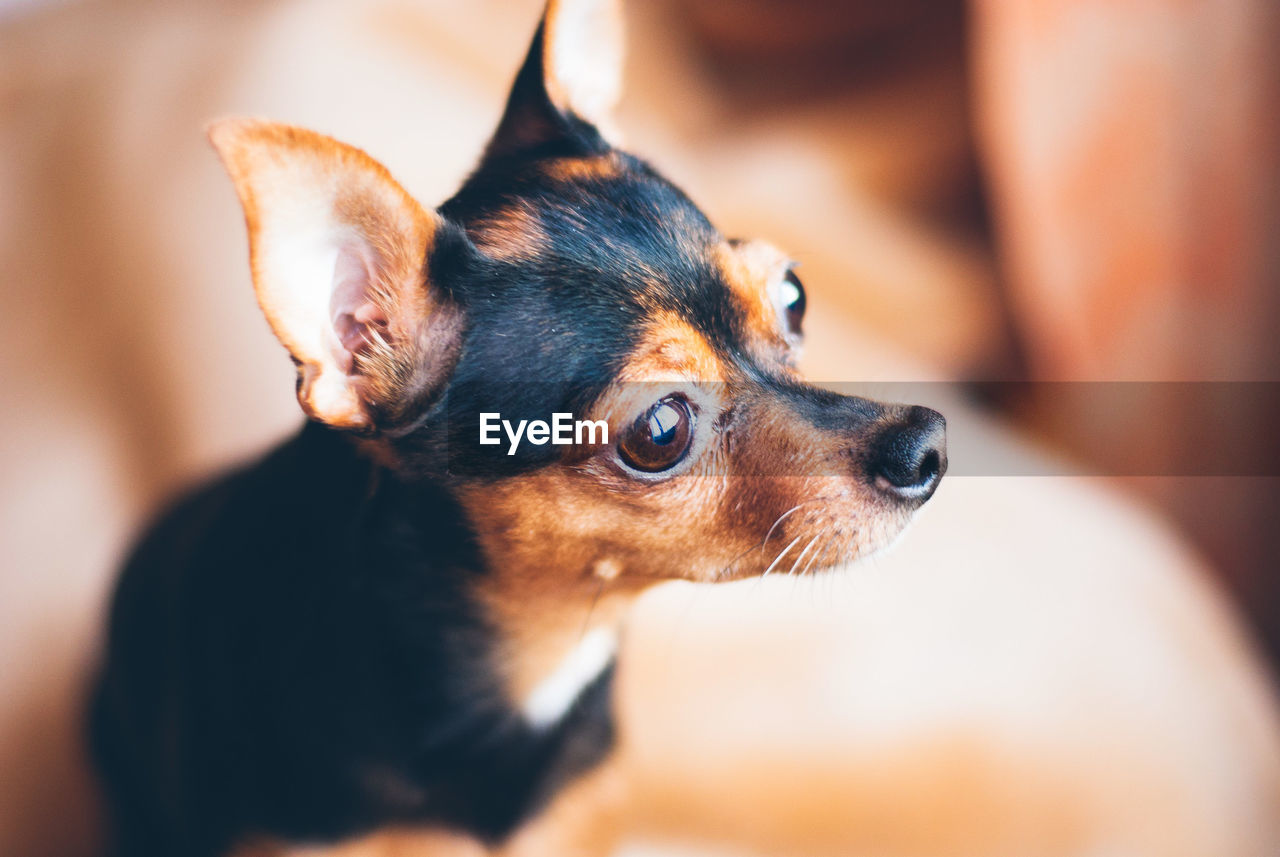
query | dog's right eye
(660,438)
(793,303)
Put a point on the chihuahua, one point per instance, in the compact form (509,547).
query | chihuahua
(559,388)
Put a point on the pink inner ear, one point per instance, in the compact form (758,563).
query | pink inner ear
(355,316)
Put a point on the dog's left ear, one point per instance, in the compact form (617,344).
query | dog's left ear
(570,81)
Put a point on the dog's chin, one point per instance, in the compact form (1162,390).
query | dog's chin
(828,541)
(890,543)
(887,540)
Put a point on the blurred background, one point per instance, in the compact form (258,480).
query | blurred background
(1043,190)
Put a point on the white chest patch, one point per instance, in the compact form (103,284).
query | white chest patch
(555,695)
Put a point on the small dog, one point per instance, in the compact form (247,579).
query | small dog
(402,618)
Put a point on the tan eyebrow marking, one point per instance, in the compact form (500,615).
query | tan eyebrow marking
(511,234)
(749,268)
(593,168)
(670,354)
(671,349)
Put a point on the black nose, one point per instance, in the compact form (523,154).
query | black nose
(910,456)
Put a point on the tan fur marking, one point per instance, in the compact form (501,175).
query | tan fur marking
(751,269)
(596,168)
(670,349)
(512,234)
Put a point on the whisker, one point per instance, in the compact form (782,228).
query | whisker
(765,541)
(795,564)
(826,545)
(779,557)
(595,599)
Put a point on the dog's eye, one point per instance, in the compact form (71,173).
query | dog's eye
(793,303)
(659,439)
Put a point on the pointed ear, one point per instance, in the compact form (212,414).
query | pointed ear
(339,252)
(570,81)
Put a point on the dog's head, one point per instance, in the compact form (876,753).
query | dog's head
(567,276)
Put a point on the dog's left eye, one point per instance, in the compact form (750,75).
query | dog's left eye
(659,439)
(792,299)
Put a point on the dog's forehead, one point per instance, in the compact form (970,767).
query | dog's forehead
(596,268)
(600,227)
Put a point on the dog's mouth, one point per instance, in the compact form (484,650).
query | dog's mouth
(845,521)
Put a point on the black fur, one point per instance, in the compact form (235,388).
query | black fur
(292,653)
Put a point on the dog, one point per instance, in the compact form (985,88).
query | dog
(524,408)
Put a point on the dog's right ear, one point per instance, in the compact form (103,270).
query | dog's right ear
(570,81)
(339,254)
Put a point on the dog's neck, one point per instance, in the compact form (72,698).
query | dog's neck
(552,645)
(549,633)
